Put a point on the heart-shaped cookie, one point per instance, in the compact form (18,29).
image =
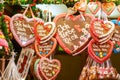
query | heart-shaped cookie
(22,29)
(44,31)
(100,52)
(101,28)
(36,64)
(100,40)
(49,68)
(116,36)
(108,7)
(73,32)
(94,7)
(45,49)
(81,6)
(118,8)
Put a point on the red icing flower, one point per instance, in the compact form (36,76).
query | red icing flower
(118,43)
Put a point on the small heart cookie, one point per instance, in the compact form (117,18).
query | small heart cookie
(45,49)
(108,7)
(101,28)
(100,52)
(49,68)
(94,7)
(44,31)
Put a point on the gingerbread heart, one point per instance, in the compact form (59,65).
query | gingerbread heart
(81,6)
(101,28)
(94,7)
(45,49)
(49,68)
(100,40)
(116,36)
(118,8)
(36,69)
(22,29)
(108,7)
(100,52)
(73,32)
(44,31)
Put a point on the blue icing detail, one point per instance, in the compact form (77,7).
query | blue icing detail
(46,52)
(40,52)
(116,51)
(104,54)
(51,43)
(116,22)
(97,53)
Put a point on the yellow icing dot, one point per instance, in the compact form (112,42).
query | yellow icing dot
(53,72)
(57,67)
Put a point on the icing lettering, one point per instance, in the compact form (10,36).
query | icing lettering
(48,68)
(67,33)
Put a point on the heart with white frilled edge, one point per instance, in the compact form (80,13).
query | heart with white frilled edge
(101,28)
(73,32)
(100,52)
(108,7)
(94,7)
(22,29)
(45,49)
(116,36)
(44,31)
(49,68)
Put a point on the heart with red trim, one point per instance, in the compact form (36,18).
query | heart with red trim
(22,29)
(116,36)
(45,49)
(73,32)
(101,30)
(49,69)
(118,8)
(44,31)
(100,52)
(108,7)
(94,7)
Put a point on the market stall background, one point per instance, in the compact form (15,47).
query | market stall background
(71,65)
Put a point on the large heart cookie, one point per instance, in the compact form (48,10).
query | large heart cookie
(101,28)
(100,52)
(116,36)
(22,29)
(94,7)
(73,32)
(108,7)
(44,31)
(49,68)
(45,49)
